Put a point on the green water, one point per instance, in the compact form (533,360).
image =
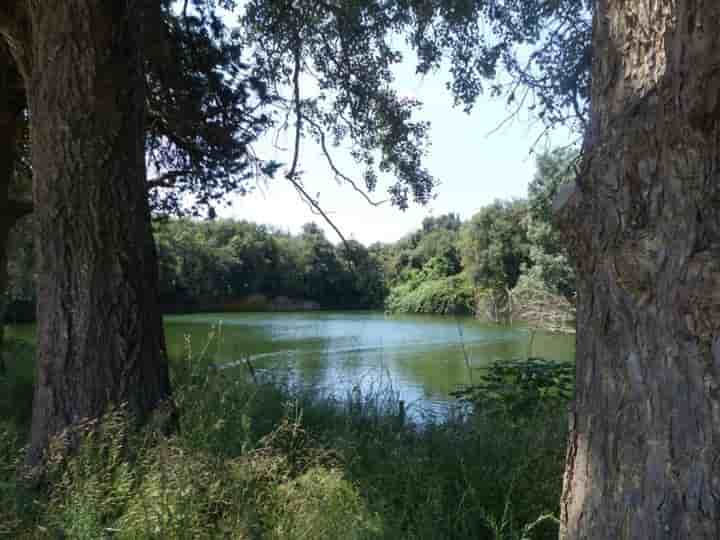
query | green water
(422,358)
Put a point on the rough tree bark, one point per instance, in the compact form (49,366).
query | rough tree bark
(100,337)
(643,458)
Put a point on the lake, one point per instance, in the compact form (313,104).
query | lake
(421,358)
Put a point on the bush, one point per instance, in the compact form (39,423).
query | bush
(322,505)
(446,296)
(521,390)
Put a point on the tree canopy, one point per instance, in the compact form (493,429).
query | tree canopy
(330,64)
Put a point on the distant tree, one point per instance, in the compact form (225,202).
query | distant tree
(320,266)
(549,260)
(363,283)
(495,246)
(450,222)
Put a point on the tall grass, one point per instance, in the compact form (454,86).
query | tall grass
(259,460)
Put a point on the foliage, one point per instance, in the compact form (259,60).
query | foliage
(223,261)
(345,52)
(321,504)
(224,264)
(436,239)
(258,460)
(549,261)
(444,295)
(205,109)
(495,246)
(522,390)
(331,66)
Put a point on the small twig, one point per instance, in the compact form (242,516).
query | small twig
(513,114)
(338,173)
(298,114)
(314,204)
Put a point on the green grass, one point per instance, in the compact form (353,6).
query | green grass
(263,461)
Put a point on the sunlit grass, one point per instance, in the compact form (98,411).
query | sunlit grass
(261,459)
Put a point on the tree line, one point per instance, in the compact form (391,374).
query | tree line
(440,268)
(454,267)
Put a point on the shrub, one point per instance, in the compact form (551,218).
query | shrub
(446,296)
(322,505)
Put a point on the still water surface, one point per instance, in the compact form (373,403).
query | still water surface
(422,358)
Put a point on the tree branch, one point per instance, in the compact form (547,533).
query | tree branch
(335,170)
(166,180)
(292,173)
(316,206)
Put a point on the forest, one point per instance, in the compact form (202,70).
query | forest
(446,267)
(125,124)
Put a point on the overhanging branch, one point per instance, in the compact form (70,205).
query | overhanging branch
(316,206)
(166,180)
(335,170)
(292,173)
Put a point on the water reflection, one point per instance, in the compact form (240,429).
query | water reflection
(422,358)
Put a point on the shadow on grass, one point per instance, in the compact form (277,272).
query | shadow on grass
(16,384)
(262,460)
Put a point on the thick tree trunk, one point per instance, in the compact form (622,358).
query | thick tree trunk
(100,337)
(643,459)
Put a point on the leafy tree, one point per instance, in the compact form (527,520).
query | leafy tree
(437,238)
(320,265)
(344,47)
(348,50)
(203,112)
(364,280)
(449,222)
(549,262)
(224,262)
(204,109)
(100,336)
(495,246)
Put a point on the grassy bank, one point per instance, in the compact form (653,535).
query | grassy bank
(258,460)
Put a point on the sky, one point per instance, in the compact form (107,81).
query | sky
(474,161)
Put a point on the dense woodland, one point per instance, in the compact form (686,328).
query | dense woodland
(443,267)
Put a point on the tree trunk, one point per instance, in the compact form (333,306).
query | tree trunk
(100,337)
(643,223)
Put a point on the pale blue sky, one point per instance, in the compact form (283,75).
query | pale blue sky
(473,165)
